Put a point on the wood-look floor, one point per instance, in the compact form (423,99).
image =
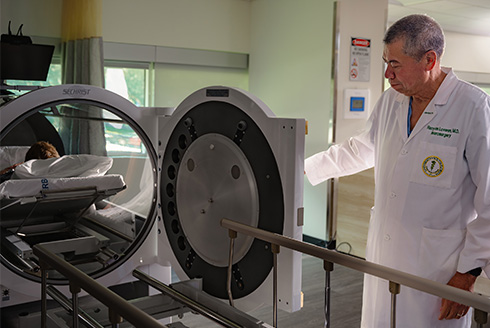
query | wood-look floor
(355,199)
(346,301)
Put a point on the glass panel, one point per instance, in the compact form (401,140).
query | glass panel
(54,78)
(93,204)
(129,83)
(121,139)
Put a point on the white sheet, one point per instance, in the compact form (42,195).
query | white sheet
(10,155)
(64,167)
(33,187)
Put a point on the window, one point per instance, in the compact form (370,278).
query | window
(54,78)
(121,140)
(129,80)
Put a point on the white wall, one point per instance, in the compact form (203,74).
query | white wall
(364,19)
(467,53)
(221,25)
(211,24)
(173,83)
(40,18)
(290,70)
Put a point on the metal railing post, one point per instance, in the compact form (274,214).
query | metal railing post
(44,297)
(232,234)
(114,318)
(65,303)
(328,267)
(480,317)
(74,289)
(132,314)
(394,290)
(275,250)
(332,192)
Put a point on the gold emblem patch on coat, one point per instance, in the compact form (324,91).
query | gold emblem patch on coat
(433,166)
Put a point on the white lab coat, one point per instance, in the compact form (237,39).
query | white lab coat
(432,197)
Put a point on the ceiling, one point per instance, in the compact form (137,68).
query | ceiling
(463,16)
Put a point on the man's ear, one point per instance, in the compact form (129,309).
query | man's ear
(430,58)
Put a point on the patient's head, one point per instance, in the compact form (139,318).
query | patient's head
(41,150)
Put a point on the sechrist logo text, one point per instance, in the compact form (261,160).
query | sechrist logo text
(76,92)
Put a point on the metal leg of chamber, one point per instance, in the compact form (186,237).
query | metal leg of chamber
(328,267)
(74,289)
(480,317)
(233,236)
(394,290)
(275,250)
(44,298)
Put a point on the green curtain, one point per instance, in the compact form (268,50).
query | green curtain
(82,63)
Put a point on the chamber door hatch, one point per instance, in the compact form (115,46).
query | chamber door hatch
(217,162)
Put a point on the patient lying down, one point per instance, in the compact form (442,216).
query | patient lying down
(39,150)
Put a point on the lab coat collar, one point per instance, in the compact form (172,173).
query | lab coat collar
(446,88)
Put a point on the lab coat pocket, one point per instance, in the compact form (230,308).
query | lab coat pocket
(434,165)
(439,253)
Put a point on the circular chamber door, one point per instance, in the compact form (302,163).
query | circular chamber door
(95,204)
(217,163)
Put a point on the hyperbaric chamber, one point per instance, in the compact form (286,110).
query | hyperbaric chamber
(173,176)
(102,223)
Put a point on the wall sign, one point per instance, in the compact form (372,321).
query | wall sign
(360,59)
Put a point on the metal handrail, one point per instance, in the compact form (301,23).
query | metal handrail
(134,315)
(114,302)
(476,301)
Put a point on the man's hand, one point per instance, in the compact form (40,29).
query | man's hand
(453,310)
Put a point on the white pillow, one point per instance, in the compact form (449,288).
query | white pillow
(10,155)
(64,167)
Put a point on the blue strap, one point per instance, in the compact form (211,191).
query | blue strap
(409,117)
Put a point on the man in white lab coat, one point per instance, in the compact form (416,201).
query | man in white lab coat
(429,141)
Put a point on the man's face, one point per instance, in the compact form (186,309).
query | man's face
(405,74)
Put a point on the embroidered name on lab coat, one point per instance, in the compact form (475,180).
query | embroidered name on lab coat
(442,132)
